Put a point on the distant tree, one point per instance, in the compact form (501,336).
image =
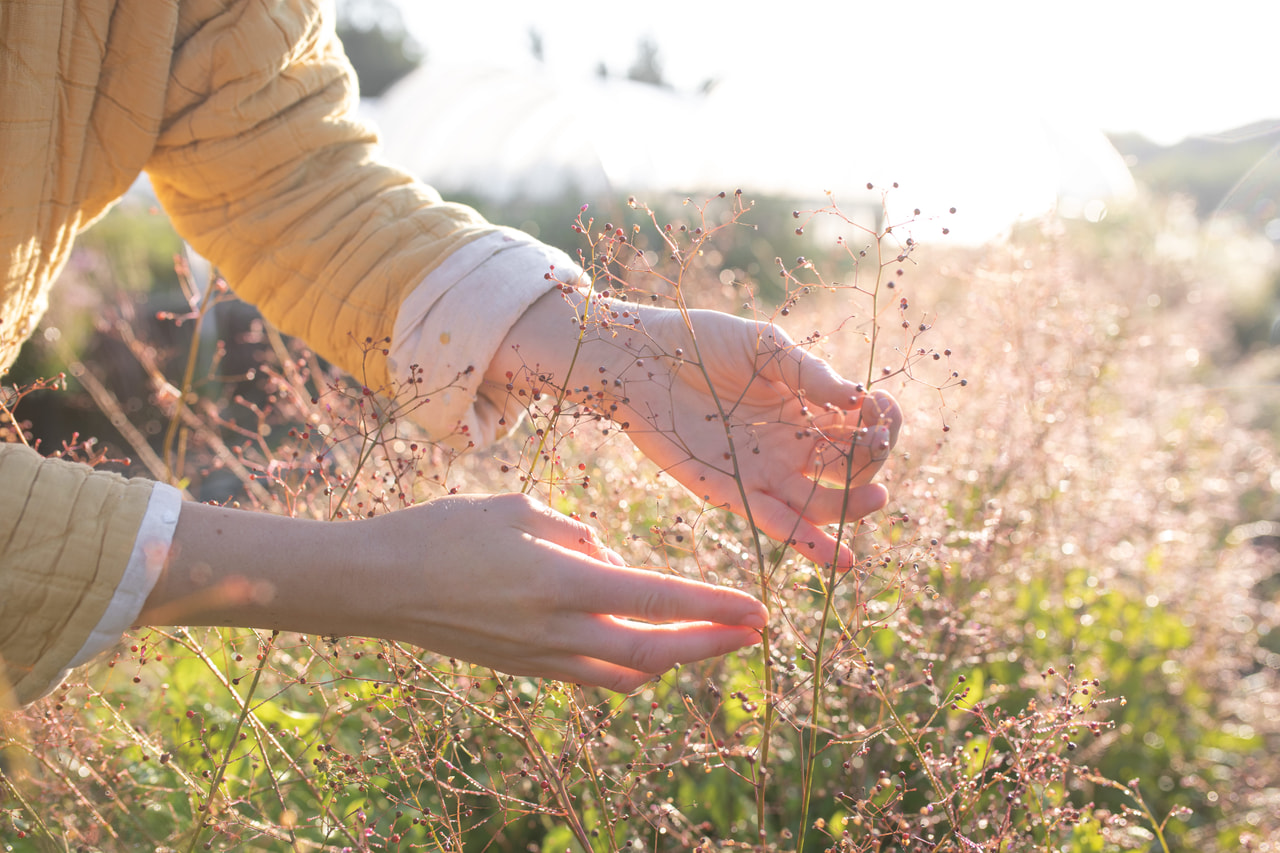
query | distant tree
(647,68)
(376,41)
(536,47)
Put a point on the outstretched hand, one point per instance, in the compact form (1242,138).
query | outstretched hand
(750,421)
(500,581)
(529,591)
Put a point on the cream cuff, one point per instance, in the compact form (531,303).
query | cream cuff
(453,323)
(146,560)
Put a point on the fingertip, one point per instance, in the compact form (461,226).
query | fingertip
(842,558)
(735,638)
(867,499)
(877,496)
(756,620)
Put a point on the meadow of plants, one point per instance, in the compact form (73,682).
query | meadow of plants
(1059,635)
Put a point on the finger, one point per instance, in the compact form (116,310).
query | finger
(821,505)
(782,360)
(784,524)
(880,408)
(620,655)
(580,669)
(643,647)
(642,594)
(850,462)
(871,432)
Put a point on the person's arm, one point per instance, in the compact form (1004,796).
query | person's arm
(263,167)
(499,581)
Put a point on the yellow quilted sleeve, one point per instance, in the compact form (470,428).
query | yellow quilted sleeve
(66,534)
(264,170)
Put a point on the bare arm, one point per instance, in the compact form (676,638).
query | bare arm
(501,581)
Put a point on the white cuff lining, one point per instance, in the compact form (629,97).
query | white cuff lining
(457,319)
(149,555)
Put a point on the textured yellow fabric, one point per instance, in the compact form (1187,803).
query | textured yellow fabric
(239,111)
(76,127)
(261,169)
(65,536)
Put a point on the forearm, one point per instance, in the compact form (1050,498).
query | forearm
(249,569)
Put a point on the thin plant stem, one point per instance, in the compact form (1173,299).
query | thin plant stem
(9,418)
(173,455)
(562,393)
(762,759)
(246,704)
(12,787)
(547,768)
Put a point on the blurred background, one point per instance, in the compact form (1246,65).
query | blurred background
(1002,110)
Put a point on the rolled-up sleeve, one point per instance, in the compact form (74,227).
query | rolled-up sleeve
(68,536)
(449,328)
(264,169)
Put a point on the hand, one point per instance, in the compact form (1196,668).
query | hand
(500,581)
(803,442)
(794,425)
(529,591)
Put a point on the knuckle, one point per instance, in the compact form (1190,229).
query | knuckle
(520,502)
(524,512)
(652,605)
(647,655)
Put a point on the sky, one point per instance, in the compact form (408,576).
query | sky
(991,107)
(1163,69)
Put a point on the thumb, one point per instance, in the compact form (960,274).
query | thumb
(782,360)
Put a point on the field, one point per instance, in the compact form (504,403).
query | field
(1060,634)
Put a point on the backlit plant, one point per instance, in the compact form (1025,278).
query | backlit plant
(1039,617)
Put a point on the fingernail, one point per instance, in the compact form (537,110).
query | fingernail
(756,621)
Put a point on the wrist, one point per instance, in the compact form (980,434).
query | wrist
(581,345)
(247,569)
